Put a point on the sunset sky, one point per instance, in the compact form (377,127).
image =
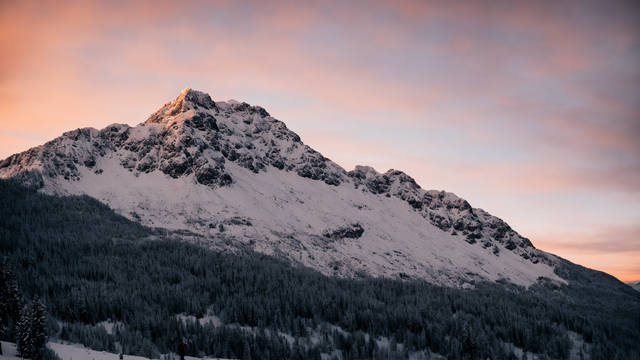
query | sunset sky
(527,109)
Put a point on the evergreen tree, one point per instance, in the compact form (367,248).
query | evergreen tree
(246,351)
(4,306)
(296,351)
(3,299)
(23,334)
(468,343)
(38,324)
(3,309)
(393,344)
(12,297)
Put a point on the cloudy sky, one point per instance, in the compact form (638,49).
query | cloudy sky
(529,110)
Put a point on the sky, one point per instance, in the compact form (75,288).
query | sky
(527,109)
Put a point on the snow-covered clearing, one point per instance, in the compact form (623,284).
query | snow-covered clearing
(79,352)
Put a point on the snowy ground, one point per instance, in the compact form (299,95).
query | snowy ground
(78,352)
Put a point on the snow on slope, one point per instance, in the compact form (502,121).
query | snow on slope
(208,166)
(77,352)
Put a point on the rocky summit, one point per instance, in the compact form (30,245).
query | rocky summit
(229,175)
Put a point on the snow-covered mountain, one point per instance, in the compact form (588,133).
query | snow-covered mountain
(236,176)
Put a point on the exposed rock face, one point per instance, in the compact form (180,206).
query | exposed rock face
(183,138)
(354,231)
(231,172)
(445,210)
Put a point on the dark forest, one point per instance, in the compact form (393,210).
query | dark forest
(88,264)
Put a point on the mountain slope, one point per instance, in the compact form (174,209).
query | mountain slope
(235,175)
(97,265)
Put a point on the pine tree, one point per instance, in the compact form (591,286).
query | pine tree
(3,330)
(296,351)
(468,343)
(246,353)
(3,297)
(3,308)
(12,297)
(23,334)
(38,324)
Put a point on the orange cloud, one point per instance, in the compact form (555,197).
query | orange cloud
(615,250)
(262,57)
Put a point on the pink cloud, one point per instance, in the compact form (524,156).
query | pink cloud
(265,59)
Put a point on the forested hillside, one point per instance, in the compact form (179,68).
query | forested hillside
(89,264)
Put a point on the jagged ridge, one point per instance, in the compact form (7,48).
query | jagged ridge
(195,138)
(445,210)
(184,138)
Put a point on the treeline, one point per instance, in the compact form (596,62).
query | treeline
(89,264)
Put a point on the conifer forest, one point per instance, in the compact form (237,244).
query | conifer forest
(70,263)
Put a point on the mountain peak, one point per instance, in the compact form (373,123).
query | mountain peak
(188,99)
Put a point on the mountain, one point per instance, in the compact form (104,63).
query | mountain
(231,175)
(635,286)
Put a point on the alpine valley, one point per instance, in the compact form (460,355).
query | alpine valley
(229,184)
